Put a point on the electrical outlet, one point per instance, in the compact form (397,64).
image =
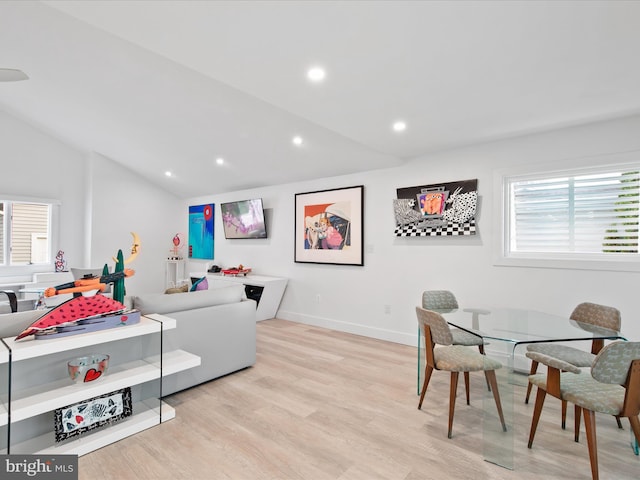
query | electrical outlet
(387,309)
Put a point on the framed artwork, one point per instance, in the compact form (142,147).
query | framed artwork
(329,226)
(443,209)
(201,231)
(76,419)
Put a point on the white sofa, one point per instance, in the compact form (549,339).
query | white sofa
(219,325)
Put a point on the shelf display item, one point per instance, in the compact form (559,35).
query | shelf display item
(76,419)
(236,271)
(89,368)
(80,315)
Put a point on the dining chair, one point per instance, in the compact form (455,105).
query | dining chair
(445,301)
(613,388)
(452,358)
(599,316)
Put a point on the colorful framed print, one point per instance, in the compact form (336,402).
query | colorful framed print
(201,241)
(329,226)
(81,417)
(444,209)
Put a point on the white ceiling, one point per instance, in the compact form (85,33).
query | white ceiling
(172,85)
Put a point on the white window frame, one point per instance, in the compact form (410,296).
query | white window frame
(7,270)
(629,161)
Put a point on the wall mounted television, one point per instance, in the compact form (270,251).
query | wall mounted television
(243,219)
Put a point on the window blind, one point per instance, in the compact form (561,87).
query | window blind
(595,213)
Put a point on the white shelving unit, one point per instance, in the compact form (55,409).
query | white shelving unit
(4,414)
(272,290)
(39,399)
(173,273)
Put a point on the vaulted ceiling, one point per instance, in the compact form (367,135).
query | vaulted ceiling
(174,85)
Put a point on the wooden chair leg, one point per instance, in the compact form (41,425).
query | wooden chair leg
(536,414)
(563,424)
(466,385)
(618,421)
(534,369)
(491,378)
(427,376)
(590,427)
(577,412)
(452,400)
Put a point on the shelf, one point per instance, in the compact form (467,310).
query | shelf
(175,361)
(41,399)
(25,349)
(61,393)
(145,416)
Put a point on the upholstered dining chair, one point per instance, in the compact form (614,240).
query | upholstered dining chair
(613,388)
(588,314)
(454,359)
(445,301)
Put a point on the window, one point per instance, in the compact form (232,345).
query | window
(588,215)
(25,233)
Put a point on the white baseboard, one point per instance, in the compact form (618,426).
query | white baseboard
(348,327)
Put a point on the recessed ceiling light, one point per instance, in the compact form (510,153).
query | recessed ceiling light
(297,141)
(219,160)
(316,74)
(168,173)
(399,126)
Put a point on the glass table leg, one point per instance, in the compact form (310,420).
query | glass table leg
(497,443)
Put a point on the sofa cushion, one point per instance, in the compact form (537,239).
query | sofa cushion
(161,303)
(200,284)
(172,290)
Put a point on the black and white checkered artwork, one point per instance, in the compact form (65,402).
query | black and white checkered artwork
(450,230)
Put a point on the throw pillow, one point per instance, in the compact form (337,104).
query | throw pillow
(182,289)
(201,284)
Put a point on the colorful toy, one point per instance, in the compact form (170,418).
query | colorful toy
(72,311)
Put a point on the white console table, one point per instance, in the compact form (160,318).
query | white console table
(266,291)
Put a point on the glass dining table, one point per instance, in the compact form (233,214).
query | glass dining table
(506,332)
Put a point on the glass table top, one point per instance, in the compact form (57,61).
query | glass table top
(525,326)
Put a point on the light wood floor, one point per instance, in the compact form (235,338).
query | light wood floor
(321,404)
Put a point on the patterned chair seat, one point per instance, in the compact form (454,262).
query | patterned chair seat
(458,358)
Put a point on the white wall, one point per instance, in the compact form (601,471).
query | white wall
(101,202)
(35,165)
(124,202)
(397,270)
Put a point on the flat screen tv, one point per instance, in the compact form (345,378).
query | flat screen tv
(244,219)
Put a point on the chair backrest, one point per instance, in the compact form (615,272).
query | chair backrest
(440,332)
(613,362)
(600,315)
(439,300)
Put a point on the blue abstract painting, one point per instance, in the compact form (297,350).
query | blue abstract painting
(201,231)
